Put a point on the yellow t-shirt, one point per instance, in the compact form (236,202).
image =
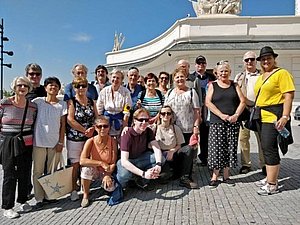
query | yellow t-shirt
(272,91)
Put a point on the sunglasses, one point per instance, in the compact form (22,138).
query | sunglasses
(23,85)
(165,113)
(34,73)
(80,86)
(102,126)
(222,62)
(142,120)
(249,60)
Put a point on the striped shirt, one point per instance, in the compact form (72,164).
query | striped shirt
(11,116)
(152,104)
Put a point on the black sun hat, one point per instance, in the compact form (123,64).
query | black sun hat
(267,50)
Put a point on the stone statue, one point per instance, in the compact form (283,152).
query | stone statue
(202,7)
(118,41)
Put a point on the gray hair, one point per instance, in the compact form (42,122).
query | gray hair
(13,85)
(35,67)
(79,65)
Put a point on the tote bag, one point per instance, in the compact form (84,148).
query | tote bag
(57,183)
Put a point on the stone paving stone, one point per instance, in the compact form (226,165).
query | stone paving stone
(171,204)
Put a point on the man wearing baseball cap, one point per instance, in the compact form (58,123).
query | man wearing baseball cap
(201,79)
(246,80)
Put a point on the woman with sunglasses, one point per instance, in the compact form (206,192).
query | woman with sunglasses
(115,102)
(226,102)
(170,138)
(136,158)
(98,159)
(82,112)
(16,168)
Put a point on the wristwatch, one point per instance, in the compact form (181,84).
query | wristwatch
(158,164)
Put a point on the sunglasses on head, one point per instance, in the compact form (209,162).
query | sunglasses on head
(22,85)
(102,126)
(142,120)
(249,60)
(80,86)
(34,73)
(165,113)
(222,62)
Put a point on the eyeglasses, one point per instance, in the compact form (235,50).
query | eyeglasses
(34,73)
(165,113)
(142,120)
(222,62)
(23,85)
(249,59)
(102,126)
(80,86)
(164,78)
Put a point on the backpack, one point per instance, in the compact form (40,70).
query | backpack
(158,92)
(191,89)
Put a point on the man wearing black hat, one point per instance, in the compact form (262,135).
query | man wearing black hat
(201,78)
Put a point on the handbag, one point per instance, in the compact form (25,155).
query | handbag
(21,143)
(254,118)
(57,183)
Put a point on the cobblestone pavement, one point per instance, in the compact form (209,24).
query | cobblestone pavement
(171,204)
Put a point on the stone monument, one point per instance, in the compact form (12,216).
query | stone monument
(118,41)
(203,7)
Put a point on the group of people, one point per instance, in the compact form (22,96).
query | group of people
(120,133)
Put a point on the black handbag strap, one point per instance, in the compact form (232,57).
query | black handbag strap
(263,84)
(24,116)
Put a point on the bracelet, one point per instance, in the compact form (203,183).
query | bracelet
(143,174)
(196,126)
(286,117)
(60,143)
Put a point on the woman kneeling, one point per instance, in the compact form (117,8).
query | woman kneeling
(98,159)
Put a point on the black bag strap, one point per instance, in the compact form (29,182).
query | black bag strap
(24,116)
(263,84)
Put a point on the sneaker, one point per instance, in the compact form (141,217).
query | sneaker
(25,207)
(245,169)
(185,181)
(213,184)
(144,184)
(39,205)
(85,203)
(268,189)
(261,183)
(74,196)
(229,182)
(11,214)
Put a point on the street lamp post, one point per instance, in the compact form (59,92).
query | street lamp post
(10,53)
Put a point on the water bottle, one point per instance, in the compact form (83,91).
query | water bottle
(284,132)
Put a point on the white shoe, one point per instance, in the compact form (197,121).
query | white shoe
(25,207)
(11,214)
(74,196)
(261,183)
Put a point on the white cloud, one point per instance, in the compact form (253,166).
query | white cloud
(82,37)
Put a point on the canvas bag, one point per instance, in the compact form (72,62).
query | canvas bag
(57,183)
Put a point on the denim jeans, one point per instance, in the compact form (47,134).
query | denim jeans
(143,162)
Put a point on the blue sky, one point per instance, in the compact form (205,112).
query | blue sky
(59,33)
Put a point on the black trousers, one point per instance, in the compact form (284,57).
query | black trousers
(204,130)
(15,169)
